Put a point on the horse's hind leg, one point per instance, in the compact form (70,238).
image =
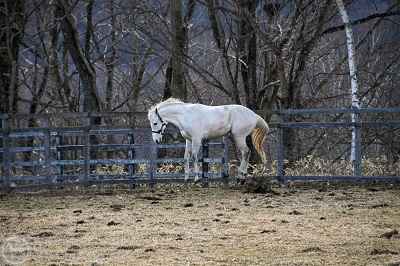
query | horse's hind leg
(244,160)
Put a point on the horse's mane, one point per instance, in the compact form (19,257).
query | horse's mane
(163,104)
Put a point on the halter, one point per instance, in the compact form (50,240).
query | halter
(163,124)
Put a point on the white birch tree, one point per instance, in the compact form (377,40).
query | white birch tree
(355,103)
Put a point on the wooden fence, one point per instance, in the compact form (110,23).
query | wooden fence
(140,161)
(358,125)
(49,170)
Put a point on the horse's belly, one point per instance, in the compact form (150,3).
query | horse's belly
(217,132)
(186,135)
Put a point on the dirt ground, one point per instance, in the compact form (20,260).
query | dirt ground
(305,223)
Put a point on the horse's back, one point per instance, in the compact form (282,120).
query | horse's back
(240,110)
(239,117)
(222,112)
(216,121)
(243,118)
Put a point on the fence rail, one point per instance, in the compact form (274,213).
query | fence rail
(53,167)
(355,125)
(53,162)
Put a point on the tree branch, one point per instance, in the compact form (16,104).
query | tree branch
(362,20)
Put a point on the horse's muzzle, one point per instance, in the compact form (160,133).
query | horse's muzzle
(157,138)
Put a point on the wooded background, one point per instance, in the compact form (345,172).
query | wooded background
(60,56)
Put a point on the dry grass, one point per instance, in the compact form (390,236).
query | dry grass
(314,165)
(313,224)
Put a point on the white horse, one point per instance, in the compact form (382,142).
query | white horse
(197,122)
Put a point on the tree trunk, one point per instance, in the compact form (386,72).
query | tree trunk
(110,61)
(12,21)
(178,87)
(248,65)
(168,81)
(248,59)
(219,36)
(86,72)
(353,74)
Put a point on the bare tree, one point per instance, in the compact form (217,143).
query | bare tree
(224,38)
(355,102)
(81,59)
(12,21)
(264,54)
(178,87)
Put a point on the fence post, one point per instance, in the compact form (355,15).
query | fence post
(131,156)
(225,160)
(47,150)
(60,170)
(357,162)
(279,147)
(86,149)
(6,152)
(153,159)
(206,153)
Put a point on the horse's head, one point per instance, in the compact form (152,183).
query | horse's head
(158,126)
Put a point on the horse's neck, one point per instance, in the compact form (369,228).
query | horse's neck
(173,114)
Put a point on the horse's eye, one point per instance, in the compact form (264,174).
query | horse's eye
(155,124)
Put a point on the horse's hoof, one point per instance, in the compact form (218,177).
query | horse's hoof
(241,181)
(196,180)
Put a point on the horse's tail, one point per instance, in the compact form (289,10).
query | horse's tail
(259,134)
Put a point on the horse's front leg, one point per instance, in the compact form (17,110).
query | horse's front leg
(195,151)
(186,159)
